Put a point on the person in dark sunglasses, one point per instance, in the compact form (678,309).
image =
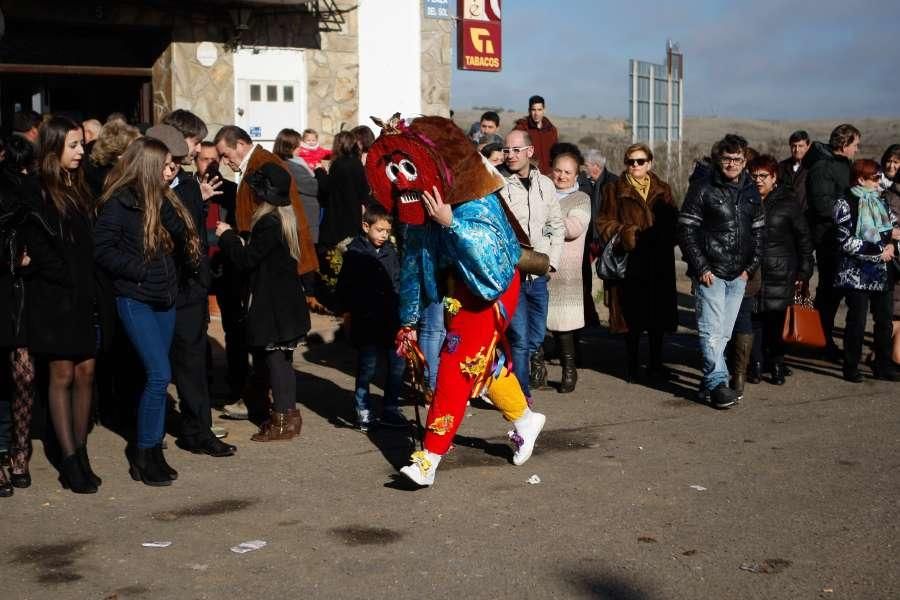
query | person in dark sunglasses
(640,210)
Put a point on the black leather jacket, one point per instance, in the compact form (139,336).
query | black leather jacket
(721,225)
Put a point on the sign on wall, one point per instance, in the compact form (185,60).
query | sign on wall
(437,9)
(479,35)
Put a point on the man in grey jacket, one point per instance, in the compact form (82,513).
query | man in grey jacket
(532,199)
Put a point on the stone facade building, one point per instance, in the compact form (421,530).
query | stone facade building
(262,64)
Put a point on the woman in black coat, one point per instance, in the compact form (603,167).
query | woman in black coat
(345,195)
(19,195)
(61,295)
(277,316)
(786,260)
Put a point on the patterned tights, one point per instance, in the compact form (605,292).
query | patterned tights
(23,400)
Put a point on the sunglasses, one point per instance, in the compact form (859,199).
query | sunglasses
(516,150)
(636,162)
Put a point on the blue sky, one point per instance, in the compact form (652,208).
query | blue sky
(760,59)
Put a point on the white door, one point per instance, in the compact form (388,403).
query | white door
(270,92)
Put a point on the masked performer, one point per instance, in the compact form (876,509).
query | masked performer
(459,247)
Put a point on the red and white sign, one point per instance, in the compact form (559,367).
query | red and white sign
(480,35)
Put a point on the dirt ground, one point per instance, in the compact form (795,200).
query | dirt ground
(644,494)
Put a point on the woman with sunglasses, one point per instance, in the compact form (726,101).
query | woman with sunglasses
(787,263)
(867,238)
(639,215)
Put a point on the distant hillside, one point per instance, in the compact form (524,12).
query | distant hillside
(612,136)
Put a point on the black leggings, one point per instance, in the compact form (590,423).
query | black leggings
(275,369)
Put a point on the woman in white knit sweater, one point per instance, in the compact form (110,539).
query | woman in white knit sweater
(565,313)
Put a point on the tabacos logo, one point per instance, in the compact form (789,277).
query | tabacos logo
(479,41)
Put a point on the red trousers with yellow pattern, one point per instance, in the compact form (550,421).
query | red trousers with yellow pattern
(471,335)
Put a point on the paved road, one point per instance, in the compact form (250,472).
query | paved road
(644,494)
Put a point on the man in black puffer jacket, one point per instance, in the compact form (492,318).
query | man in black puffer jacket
(720,231)
(827,179)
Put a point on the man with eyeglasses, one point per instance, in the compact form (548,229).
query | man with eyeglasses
(827,179)
(531,197)
(720,232)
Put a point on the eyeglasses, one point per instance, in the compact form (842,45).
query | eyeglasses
(515,150)
(636,162)
(760,176)
(732,160)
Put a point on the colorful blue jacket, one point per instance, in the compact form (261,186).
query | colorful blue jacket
(479,246)
(859,264)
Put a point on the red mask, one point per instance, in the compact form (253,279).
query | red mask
(400,167)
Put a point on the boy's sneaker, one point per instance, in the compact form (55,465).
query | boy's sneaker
(723,397)
(394,419)
(363,420)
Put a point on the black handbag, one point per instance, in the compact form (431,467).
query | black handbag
(613,261)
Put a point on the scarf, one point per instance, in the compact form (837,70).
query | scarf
(873,219)
(560,194)
(642,185)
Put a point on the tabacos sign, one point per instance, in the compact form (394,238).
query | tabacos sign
(479,35)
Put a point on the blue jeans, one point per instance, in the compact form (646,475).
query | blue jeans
(150,331)
(365,373)
(717,309)
(431,337)
(528,326)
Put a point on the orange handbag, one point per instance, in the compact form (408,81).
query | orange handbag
(802,324)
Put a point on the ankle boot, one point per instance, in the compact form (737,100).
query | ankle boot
(164,466)
(295,419)
(277,428)
(6,487)
(538,372)
(566,344)
(743,345)
(754,372)
(19,476)
(82,455)
(778,373)
(633,357)
(72,477)
(144,468)
(657,370)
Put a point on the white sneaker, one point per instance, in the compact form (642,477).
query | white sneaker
(528,428)
(236,411)
(422,469)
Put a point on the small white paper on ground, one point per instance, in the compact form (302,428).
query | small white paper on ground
(699,488)
(156,544)
(534,479)
(250,546)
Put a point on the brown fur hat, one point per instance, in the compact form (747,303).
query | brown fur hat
(473,177)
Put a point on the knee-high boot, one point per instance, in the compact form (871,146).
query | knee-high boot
(566,343)
(538,371)
(743,347)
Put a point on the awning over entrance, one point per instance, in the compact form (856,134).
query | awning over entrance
(129,32)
